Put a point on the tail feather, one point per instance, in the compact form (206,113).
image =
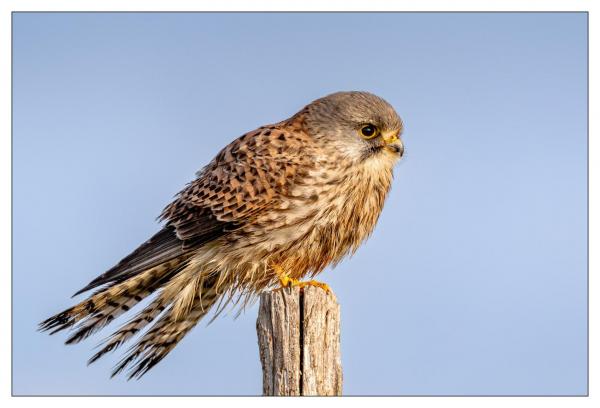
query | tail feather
(130,329)
(185,297)
(100,319)
(105,305)
(164,335)
(137,289)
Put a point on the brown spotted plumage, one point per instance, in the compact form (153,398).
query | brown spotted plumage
(295,196)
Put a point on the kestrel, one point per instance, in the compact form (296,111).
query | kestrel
(276,205)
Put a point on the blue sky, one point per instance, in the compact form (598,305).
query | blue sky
(474,281)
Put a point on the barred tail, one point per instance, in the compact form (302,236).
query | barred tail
(164,335)
(185,296)
(105,305)
(162,264)
(130,329)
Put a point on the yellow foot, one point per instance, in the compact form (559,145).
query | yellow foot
(315,283)
(286,281)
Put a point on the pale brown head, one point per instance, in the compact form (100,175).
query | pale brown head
(358,124)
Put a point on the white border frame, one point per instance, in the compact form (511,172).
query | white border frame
(8,6)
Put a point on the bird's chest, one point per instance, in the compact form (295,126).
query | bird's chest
(343,213)
(352,209)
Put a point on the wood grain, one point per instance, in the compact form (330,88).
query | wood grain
(299,342)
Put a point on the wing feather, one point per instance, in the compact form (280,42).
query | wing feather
(248,177)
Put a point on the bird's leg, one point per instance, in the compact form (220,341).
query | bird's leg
(284,278)
(286,281)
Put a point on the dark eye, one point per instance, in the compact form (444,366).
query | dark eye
(368,131)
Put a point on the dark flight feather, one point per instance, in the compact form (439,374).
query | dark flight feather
(173,241)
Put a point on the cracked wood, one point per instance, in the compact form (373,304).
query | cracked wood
(299,342)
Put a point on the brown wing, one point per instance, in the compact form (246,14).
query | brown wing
(249,176)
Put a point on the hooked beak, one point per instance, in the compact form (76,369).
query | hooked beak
(393,144)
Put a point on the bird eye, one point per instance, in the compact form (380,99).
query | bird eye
(368,131)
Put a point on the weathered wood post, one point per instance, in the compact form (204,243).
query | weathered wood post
(299,342)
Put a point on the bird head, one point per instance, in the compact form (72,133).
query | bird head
(358,124)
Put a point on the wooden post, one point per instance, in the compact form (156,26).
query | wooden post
(299,342)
